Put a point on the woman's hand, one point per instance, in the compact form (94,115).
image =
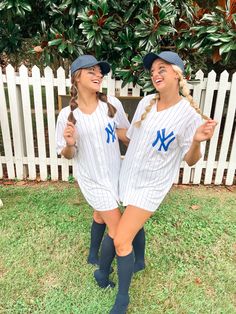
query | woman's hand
(70,138)
(70,134)
(205,131)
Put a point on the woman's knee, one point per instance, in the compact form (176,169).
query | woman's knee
(97,217)
(122,245)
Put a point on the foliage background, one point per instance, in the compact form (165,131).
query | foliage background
(55,32)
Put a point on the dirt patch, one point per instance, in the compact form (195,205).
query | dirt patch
(35,183)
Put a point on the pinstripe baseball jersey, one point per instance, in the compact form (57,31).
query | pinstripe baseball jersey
(155,152)
(97,159)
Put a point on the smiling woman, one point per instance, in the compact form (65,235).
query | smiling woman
(86,131)
(165,129)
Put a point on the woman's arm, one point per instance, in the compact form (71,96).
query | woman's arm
(203,133)
(68,152)
(121,133)
(70,137)
(194,153)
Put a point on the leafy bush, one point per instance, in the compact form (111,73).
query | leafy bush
(120,32)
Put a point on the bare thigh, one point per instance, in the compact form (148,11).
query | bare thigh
(111,219)
(130,223)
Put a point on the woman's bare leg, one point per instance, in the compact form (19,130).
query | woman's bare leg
(131,222)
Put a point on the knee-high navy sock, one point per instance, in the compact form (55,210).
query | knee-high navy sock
(106,258)
(125,266)
(97,232)
(139,250)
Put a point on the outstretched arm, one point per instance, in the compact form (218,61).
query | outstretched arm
(203,133)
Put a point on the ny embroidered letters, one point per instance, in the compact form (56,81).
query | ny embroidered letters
(111,135)
(163,139)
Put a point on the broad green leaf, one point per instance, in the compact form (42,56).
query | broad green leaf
(83,17)
(55,42)
(70,48)
(62,47)
(26,6)
(226,48)
(212,29)
(164,29)
(197,44)
(213,37)
(137,59)
(162,14)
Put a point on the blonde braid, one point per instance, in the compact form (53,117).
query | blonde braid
(74,96)
(186,93)
(111,109)
(147,110)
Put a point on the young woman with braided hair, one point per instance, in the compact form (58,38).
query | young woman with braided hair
(166,129)
(87,131)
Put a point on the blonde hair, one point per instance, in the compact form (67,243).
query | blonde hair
(184,90)
(147,110)
(74,95)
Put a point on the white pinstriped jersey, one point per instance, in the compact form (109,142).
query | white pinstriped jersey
(97,158)
(155,152)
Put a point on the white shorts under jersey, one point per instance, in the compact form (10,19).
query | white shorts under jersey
(97,158)
(155,152)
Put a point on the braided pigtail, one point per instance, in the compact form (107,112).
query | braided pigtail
(111,109)
(147,110)
(74,96)
(186,93)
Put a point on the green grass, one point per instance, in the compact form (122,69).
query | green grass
(44,240)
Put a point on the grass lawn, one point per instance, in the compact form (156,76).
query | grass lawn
(44,240)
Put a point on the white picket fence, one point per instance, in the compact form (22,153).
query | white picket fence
(28,116)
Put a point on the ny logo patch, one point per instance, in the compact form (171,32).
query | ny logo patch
(111,135)
(163,140)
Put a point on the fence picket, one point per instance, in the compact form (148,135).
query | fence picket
(187,171)
(111,88)
(135,90)
(218,117)
(232,163)
(199,94)
(28,127)
(124,90)
(38,105)
(210,88)
(5,128)
(16,121)
(1,164)
(51,122)
(230,119)
(62,91)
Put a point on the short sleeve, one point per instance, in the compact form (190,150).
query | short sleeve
(186,137)
(121,119)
